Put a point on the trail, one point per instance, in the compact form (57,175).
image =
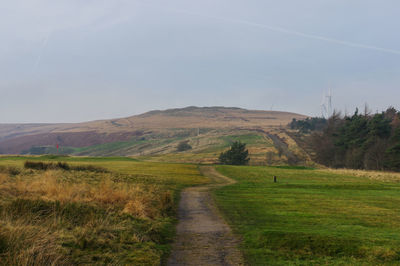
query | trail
(203,237)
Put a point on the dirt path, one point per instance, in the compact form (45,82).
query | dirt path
(203,237)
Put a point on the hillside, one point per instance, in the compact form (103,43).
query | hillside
(207,129)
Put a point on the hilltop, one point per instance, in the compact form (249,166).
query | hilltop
(207,129)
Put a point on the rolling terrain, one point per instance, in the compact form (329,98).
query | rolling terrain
(208,130)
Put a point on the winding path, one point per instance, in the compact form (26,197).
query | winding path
(203,237)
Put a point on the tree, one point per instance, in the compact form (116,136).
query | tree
(392,160)
(309,124)
(183,146)
(236,155)
(361,141)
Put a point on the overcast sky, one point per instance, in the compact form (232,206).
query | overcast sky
(75,60)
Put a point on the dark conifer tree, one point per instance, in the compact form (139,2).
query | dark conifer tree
(236,155)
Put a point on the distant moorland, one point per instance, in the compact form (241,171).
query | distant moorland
(207,130)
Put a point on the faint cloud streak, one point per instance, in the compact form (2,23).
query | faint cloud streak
(41,51)
(292,32)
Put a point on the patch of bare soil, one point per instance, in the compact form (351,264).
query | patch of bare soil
(203,237)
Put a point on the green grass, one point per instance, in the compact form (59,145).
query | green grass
(108,148)
(159,141)
(312,217)
(249,139)
(124,216)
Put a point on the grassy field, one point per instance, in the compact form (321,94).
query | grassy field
(313,216)
(117,211)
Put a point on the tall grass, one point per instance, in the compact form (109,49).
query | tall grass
(145,201)
(54,215)
(24,244)
(11,170)
(373,175)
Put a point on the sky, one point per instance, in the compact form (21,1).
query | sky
(82,60)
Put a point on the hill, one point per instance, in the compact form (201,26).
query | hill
(208,130)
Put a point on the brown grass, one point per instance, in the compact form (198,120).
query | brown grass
(36,238)
(373,175)
(139,200)
(120,217)
(93,133)
(25,244)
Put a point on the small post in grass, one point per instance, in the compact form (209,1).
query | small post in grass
(274,179)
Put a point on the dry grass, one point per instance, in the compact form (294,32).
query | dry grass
(65,217)
(163,125)
(139,200)
(25,244)
(10,170)
(373,175)
(294,148)
(212,117)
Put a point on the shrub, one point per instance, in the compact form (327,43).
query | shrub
(36,165)
(90,168)
(64,166)
(183,146)
(236,155)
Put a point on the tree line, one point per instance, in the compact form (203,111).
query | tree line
(309,124)
(360,141)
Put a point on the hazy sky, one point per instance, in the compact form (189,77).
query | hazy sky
(79,60)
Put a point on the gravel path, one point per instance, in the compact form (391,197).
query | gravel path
(203,237)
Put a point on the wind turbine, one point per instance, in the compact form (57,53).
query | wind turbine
(329,98)
(326,104)
(323,106)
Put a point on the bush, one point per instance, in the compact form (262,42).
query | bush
(37,165)
(236,155)
(183,146)
(11,170)
(64,166)
(90,168)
